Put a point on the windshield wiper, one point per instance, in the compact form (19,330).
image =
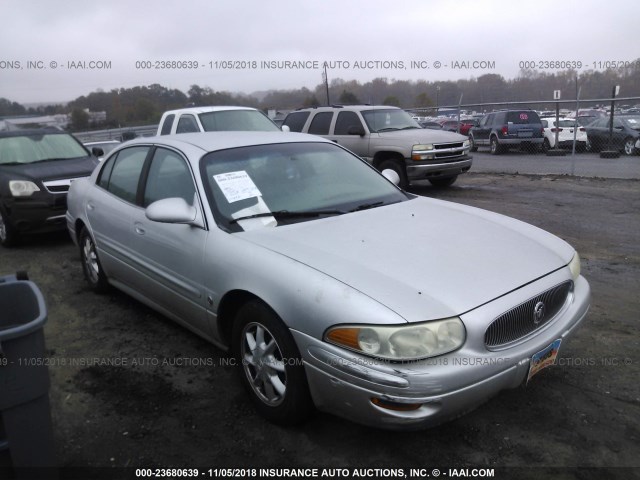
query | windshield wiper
(366,206)
(287,214)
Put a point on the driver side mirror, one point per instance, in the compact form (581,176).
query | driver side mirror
(356,130)
(392,176)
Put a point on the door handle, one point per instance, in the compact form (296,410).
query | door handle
(138,228)
(90,206)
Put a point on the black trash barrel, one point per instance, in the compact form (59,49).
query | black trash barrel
(25,415)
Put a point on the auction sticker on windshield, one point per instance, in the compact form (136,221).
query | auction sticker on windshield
(544,358)
(237,186)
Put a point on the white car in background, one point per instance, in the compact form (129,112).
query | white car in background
(566,128)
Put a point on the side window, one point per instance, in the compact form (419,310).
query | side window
(320,123)
(187,124)
(125,173)
(105,173)
(545,124)
(295,121)
(169,176)
(346,120)
(168,123)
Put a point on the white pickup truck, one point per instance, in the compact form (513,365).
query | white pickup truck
(211,119)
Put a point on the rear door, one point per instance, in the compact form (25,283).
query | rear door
(110,208)
(345,133)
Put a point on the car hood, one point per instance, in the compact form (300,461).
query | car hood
(421,135)
(424,259)
(54,170)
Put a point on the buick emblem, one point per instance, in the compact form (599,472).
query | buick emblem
(538,313)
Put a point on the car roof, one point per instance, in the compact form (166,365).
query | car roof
(350,107)
(211,141)
(198,110)
(32,132)
(93,142)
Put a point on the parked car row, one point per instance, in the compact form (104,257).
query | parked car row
(524,129)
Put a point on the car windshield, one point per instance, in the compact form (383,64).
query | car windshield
(290,182)
(38,148)
(237,120)
(567,123)
(384,120)
(632,122)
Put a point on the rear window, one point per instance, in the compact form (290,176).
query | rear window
(522,117)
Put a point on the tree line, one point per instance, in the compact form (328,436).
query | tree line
(145,104)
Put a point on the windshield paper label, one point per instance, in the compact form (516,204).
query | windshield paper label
(237,186)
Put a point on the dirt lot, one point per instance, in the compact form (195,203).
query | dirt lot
(175,404)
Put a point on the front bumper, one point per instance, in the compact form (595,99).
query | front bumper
(444,387)
(40,213)
(438,169)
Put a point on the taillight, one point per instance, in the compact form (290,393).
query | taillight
(554,130)
(582,129)
(505,130)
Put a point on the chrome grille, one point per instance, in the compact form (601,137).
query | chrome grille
(527,317)
(59,186)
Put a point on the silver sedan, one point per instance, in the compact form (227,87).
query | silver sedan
(331,287)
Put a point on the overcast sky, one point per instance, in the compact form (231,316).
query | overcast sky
(363,40)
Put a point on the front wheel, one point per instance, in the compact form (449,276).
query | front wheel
(629,146)
(91,266)
(474,147)
(398,168)
(272,369)
(8,234)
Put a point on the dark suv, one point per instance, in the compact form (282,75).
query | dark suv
(508,128)
(36,169)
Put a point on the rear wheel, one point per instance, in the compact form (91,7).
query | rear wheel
(8,234)
(91,263)
(272,369)
(494,146)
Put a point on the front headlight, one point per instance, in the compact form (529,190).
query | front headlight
(400,342)
(22,188)
(466,144)
(574,266)
(422,152)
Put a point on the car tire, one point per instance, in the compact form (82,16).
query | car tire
(442,182)
(494,146)
(398,168)
(546,146)
(474,147)
(9,237)
(91,266)
(629,146)
(271,367)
